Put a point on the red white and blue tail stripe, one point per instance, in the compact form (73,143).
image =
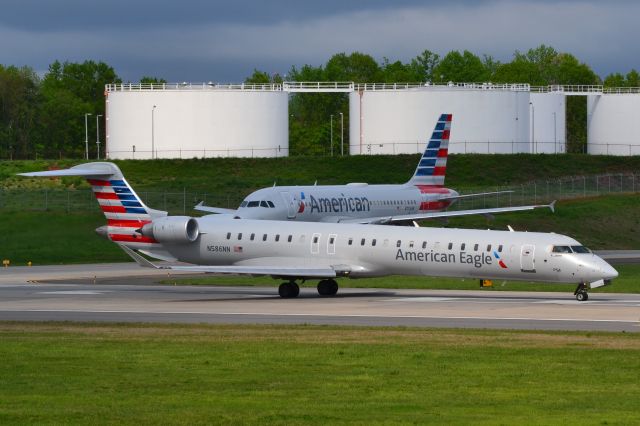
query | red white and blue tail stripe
(433,164)
(126,213)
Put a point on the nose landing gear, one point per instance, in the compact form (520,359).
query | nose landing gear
(581,293)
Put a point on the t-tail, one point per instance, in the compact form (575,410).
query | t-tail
(125,212)
(433,164)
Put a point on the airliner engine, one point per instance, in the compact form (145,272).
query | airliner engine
(172,229)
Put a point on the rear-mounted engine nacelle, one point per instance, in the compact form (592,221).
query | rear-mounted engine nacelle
(172,229)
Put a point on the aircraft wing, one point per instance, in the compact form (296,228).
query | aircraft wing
(435,215)
(477,194)
(201,207)
(296,272)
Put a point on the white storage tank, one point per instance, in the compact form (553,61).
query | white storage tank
(548,116)
(487,119)
(613,122)
(196,120)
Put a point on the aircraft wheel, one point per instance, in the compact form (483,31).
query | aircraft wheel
(288,290)
(327,288)
(323,288)
(582,296)
(333,287)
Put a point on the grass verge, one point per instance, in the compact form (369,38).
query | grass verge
(157,374)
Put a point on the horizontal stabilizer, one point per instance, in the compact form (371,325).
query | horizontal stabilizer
(74,171)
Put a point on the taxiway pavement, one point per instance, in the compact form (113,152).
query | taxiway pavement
(128,293)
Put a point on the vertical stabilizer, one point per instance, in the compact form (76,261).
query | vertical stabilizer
(433,164)
(125,212)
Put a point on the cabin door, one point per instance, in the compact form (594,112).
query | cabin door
(527,258)
(291,203)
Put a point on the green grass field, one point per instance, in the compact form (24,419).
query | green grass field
(61,373)
(224,176)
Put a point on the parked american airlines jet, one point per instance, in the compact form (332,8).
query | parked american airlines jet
(294,251)
(422,197)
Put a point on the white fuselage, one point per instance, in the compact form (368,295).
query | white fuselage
(338,202)
(371,250)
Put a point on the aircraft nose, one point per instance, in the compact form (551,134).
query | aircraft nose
(608,272)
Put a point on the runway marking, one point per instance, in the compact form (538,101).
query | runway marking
(265,314)
(504,300)
(73,292)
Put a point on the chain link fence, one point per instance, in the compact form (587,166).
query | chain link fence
(538,192)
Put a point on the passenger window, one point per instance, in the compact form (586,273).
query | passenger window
(373,242)
(277,237)
(240,236)
(264,204)
(489,247)
(500,248)
(228,235)
(410,244)
(462,246)
(350,241)
(264,237)
(450,246)
(252,237)
(475,247)
(332,240)
(362,242)
(424,244)
(398,243)
(315,239)
(290,238)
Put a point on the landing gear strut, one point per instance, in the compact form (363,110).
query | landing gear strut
(289,290)
(327,287)
(581,293)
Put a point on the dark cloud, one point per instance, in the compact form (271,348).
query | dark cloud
(197,40)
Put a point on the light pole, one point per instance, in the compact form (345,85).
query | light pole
(98,135)
(86,136)
(341,134)
(555,139)
(332,135)
(533,128)
(153,147)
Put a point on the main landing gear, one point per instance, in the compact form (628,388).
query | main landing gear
(581,293)
(327,288)
(290,289)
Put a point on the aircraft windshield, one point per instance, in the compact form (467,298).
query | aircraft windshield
(243,204)
(253,204)
(570,249)
(580,249)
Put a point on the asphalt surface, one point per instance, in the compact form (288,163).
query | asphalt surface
(128,293)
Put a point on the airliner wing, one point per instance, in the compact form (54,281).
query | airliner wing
(435,215)
(477,194)
(201,207)
(295,272)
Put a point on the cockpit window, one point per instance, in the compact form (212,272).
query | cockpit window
(271,204)
(561,249)
(253,204)
(243,204)
(264,204)
(580,249)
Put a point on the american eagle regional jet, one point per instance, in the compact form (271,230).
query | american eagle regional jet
(293,251)
(422,197)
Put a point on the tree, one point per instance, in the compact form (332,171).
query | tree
(18,111)
(460,67)
(355,67)
(152,80)
(424,64)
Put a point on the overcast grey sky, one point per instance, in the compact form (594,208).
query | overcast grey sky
(223,41)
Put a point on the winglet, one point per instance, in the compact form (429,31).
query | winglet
(552,206)
(139,259)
